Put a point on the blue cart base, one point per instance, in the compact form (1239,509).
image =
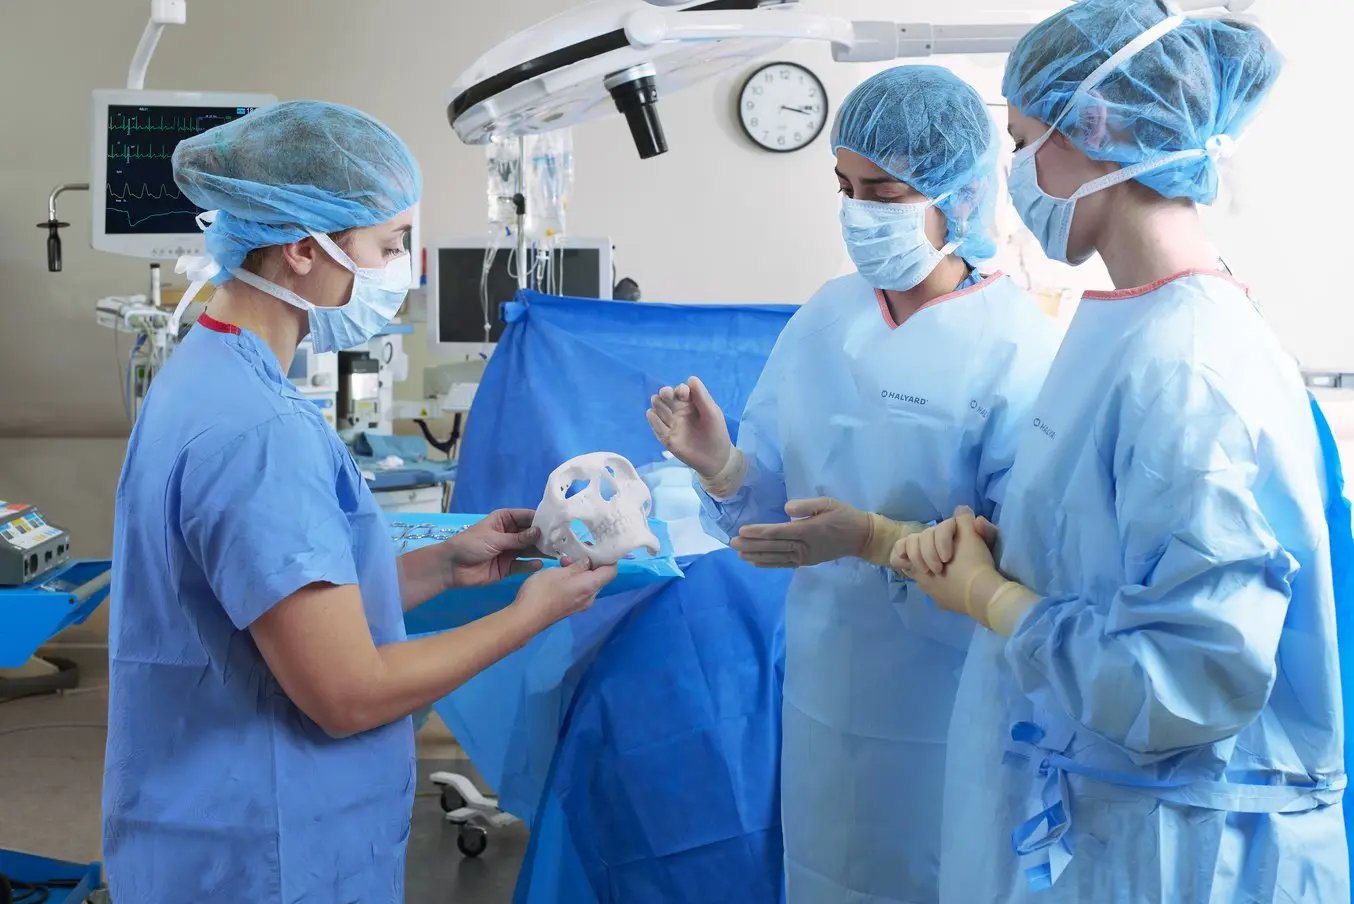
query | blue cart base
(65,883)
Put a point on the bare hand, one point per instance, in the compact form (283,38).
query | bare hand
(691,426)
(493,549)
(557,593)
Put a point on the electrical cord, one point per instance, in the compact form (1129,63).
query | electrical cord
(15,891)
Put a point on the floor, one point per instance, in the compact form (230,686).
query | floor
(51,766)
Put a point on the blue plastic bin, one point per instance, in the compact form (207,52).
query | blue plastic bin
(73,881)
(34,613)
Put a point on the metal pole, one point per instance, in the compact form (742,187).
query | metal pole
(520,200)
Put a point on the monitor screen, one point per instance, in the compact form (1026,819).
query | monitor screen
(140,197)
(460,309)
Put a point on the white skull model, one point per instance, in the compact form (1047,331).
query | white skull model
(613,507)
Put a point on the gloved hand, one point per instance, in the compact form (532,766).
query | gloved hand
(967,580)
(933,548)
(823,530)
(691,426)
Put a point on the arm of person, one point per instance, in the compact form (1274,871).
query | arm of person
(424,573)
(1184,653)
(319,647)
(263,520)
(753,491)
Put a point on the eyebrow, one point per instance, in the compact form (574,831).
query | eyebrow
(872,180)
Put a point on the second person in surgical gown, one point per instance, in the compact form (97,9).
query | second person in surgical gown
(891,397)
(1155,715)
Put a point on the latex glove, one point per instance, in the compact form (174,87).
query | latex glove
(822,530)
(969,582)
(691,426)
(934,547)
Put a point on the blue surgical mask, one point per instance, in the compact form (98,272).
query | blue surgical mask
(377,295)
(888,242)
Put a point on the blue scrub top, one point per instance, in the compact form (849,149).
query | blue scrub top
(236,494)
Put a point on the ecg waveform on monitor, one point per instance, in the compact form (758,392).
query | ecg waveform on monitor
(144,192)
(140,196)
(129,152)
(181,125)
(128,202)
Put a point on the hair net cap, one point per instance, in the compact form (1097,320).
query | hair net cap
(282,171)
(1189,90)
(929,128)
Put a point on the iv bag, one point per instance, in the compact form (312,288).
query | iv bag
(544,179)
(549,182)
(503,163)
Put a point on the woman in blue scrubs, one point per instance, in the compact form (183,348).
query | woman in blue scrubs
(1153,711)
(259,745)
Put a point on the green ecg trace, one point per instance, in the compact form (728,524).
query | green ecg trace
(131,152)
(188,125)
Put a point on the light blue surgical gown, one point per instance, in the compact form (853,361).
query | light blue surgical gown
(234,495)
(909,422)
(1171,706)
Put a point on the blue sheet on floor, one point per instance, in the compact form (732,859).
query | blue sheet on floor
(641,740)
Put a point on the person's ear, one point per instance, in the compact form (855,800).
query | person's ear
(301,256)
(1093,120)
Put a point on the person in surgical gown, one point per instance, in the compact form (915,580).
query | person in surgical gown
(892,396)
(259,742)
(1152,710)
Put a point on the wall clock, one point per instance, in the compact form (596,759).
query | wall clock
(782,107)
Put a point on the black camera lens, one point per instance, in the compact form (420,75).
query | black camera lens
(635,92)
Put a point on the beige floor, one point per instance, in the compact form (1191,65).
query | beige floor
(51,767)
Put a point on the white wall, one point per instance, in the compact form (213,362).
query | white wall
(713,220)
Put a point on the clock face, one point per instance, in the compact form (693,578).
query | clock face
(783,107)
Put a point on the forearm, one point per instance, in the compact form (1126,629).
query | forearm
(759,498)
(1150,680)
(424,573)
(413,674)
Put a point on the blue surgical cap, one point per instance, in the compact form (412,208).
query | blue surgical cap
(929,128)
(292,168)
(1204,80)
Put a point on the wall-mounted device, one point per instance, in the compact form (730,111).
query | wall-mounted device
(30,546)
(136,208)
(464,294)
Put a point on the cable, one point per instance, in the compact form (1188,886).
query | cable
(16,891)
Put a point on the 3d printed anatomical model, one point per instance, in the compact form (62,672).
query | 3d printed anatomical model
(609,501)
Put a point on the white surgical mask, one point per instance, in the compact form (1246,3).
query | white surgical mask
(1050,218)
(888,242)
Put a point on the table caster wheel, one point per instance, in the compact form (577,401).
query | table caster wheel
(451,799)
(472,841)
